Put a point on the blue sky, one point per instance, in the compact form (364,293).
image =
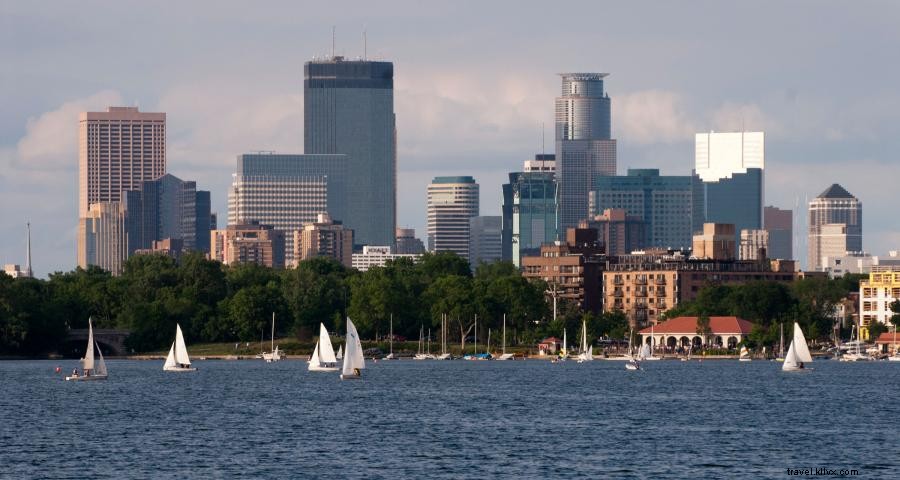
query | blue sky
(474,81)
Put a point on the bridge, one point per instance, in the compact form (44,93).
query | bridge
(112,342)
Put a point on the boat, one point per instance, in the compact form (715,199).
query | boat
(340,354)
(745,354)
(354,362)
(275,354)
(444,354)
(564,352)
(422,354)
(651,354)
(178,359)
(587,351)
(632,365)
(798,353)
(91,369)
(323,358)
(504,355)
(780,356)
(475,355)
(856,355)
(390,355)
(645,353)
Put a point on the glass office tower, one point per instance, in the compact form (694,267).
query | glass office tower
(584,149)
(529,210)
(348,109)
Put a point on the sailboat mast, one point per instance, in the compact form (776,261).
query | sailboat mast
(504,334)
(273,331)
(781,345)
(392,334)
(476,333)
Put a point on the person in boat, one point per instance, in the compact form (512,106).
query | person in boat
(74,372)
(801,365)
(356,372)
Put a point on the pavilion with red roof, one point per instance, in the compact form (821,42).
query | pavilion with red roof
(725,332)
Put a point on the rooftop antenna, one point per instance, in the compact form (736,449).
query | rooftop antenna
(365,46)
(28,250)
(332,42)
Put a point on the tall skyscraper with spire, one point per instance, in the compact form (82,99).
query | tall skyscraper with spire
(348,108)
(584,145)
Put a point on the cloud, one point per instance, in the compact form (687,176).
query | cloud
(51,139)
(651,116)
(734,117)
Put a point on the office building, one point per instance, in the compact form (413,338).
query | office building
(754,245)
(288,191)
(323,238)
(348,108)
(452,201)
(780,225)
(407,243)
(664,203)
(584,145)
(876,294)
(618,232)
(248,243)
(832,209)
(102,237)
(573,269)
(729,179)
(485,239)
(378,256)
(13,270)
(715,242)
(167,208)
(529,209)
(169,247)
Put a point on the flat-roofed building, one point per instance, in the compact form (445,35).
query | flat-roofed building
(103,237)
(780,225)
(324,238)
(618,232)
(876,294)
(833,207)
(717,242)
(248,243)
(378,256)
(754,245)
(485,239)
(452,202)
(572,269)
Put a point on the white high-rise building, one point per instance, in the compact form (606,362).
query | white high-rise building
(835,226)
(721,155)
(452,201)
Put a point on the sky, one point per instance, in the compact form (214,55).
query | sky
(474,84)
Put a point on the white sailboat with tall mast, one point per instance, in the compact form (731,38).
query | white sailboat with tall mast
(323,358)
(444,355)
(91,368)
(390,355)
(178,359)
(564,352)
(745,354)
(421,354)
(354,362)
(587,351)
(798,353)
(633,364)
(275,354)
(503,354)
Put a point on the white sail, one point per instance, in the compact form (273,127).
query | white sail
(181,353)
(87,363)
(790,360)
(326,352)
(584,341)
(314,359)
(645,352)
(170,360)
(100,369)
(353,357)
(565,348)
(799,343)
(340,353)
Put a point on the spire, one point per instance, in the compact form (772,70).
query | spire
(28,250)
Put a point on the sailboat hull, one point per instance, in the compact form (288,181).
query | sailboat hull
(86,379)
(350,377)
(322,368)
(180,369)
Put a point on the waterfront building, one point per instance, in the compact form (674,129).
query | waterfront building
(348,108)
(754,245)
(780,225)
(484,239)
(618,232)
(716,242)
(378,256)
(323,238)
(858,262)
(835,225)
(452,201)
(248,243)
(664,203)
(167,208)
(584,145)
(729,179)
(875,297)
(287,191)
(407,243)
(681,333)
(646,285)
(102,237)
(529,209)
(573,269)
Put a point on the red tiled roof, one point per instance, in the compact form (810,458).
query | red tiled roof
(688,326)
(887,337)
(551,340)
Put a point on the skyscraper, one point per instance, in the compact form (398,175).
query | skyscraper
(529,209)
(324,238)
(484,239)
(584,147)
(288,191)
(780,225)
(729,180)
(102,238)
(664,203)
(348,109)
(452,201)
(167,207)
(835,225)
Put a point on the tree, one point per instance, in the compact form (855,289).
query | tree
(703,328)
(895,308)
(316,291)
(452,295)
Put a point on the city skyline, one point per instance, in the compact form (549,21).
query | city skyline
(459,110)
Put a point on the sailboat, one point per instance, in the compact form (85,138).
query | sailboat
(178,359)
(323,358)
(565,349)
(651,354)
(353,357)
(633,363)
(856,355)
(90,369)
(340,353)
(503,354)
(798,352)
(390,356)
(587,351)
(275,354)
(421,354)
(745,354)
(444,355)
(780,356)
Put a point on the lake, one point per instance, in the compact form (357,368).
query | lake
(453,419)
